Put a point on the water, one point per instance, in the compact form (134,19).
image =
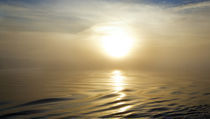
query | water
(103,94)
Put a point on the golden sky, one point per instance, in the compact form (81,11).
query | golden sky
(72,34)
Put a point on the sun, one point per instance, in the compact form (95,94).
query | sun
(116,41)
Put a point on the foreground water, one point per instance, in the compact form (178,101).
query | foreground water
(103,94)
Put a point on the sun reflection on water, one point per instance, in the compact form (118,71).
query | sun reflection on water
(118,81)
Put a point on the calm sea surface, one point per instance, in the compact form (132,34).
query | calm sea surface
(103,94)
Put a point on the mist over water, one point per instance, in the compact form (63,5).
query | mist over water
(104,59)
(104,94)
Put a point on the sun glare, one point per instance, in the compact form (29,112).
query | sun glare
(116,41)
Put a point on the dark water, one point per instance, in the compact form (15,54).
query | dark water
(105,94)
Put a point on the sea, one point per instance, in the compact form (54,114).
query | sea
(116,94)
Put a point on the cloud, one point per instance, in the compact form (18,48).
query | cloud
(193,5)
(60,33)
(43,18)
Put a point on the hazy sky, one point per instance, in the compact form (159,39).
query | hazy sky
(170,34)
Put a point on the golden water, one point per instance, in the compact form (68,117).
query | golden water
(104,94)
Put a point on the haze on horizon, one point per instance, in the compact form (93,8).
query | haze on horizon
(169,35)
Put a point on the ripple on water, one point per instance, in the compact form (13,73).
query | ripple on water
(22,113)
(120,98)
